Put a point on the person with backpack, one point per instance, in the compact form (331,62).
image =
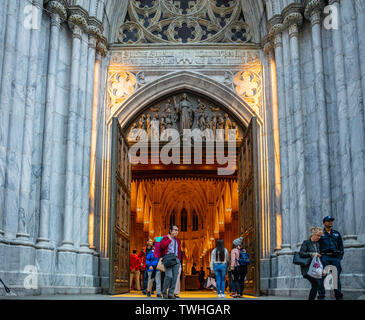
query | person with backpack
(151,264)
(239,265)
(218,263)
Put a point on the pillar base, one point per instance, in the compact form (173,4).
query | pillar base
(350,241)
(285,249)
(44,243)
(67,247)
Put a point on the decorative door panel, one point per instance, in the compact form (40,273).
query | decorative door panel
(119,235)
(248,205)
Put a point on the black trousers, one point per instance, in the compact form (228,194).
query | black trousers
(238,276)
(315,283)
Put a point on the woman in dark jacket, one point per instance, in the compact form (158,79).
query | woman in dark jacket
(309,249)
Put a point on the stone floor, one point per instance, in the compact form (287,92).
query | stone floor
(187,295)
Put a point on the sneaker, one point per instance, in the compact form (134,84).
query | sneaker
(165,296)
(159,296)
(223,295)
(171,297)
(176,296)
(148,294)
(219,295)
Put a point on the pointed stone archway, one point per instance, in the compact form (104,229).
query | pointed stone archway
(167,85)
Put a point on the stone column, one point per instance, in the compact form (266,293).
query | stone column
(313,12)
(58,13)
(77,21)
(293,20)
(356,113)
(344,131)
(6,98)
(87,144)
(15,131)
(27,149)
(360,15)
(276,35)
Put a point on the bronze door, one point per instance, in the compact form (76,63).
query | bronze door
(120,201)
(248,205)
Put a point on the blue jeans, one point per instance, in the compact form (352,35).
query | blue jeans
(220,276)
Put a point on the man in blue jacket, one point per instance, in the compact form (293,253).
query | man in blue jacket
(332,251)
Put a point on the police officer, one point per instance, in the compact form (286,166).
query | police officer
(331,249)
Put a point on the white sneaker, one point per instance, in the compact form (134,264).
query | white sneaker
(219,295)
(223,295)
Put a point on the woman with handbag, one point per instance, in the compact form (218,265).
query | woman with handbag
(310,249)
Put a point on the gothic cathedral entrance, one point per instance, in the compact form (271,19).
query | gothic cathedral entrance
(209,222)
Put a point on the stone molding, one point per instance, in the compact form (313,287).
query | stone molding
(58,7)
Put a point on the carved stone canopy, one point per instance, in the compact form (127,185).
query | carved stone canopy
(183,111)
(184,21)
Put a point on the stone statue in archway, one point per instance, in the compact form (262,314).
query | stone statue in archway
(185,111)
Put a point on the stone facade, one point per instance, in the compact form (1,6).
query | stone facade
(302,79)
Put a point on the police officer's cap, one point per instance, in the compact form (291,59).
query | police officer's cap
(328,218)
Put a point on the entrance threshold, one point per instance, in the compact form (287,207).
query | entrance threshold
(201,294)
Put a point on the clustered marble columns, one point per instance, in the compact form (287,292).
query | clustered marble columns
(26,185)
(6,101)
(293,19)
(344,126)
(32,139)
(58,14)
(313,12)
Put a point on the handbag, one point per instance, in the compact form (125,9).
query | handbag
(160,265)
(299,260)
(169,260)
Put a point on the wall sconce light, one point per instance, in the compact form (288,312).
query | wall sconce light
(229,209)
(139,209)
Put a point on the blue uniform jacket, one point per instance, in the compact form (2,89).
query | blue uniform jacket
(331,243)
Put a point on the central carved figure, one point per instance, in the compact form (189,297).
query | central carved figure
(185,111)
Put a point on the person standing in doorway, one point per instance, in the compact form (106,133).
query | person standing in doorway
(143,255)
(201,278)
(332,251)
(134,264)
(171,253)
(218,263)
(151,264)
(238,271)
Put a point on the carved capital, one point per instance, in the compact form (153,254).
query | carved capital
(278,40)
(102,46)
(275,26)
(313,10)
(268,46)
(95,27)
(78,16)
(76,31)
(58,7)
(293,16)
(92,41)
